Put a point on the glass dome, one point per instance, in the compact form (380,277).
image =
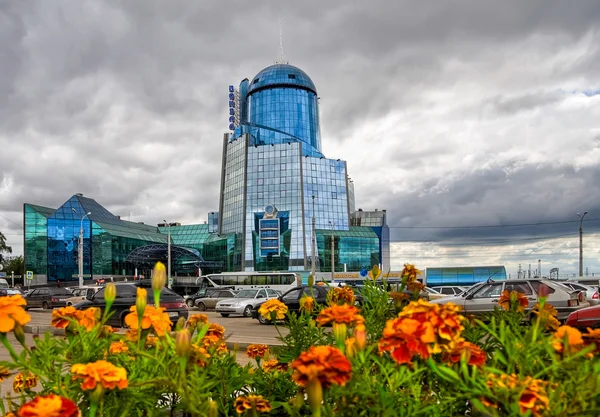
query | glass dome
(281,75)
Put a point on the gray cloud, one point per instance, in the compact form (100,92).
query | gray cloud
(454,113)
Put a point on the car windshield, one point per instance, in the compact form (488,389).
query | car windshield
(246,294)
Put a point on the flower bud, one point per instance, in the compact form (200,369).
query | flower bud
(19,333)
(141,301)
(311,280)
(350,347)
(213,409)
(159,277)
(182,342)
(340,331)
(180,323)
(360,336)
(314,392)
(110,292)
(298,400)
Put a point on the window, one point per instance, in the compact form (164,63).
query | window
(282,193)
(283,180)
(259,181)
(272,293)
(292,295)
(489,290)
(262,294)
(261,168)
(521,287)
(334,195)
(447,291)
(539,286)
(282,167)
(255,81)
(126,291)
(292,76)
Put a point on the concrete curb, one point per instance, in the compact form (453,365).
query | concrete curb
(232,344)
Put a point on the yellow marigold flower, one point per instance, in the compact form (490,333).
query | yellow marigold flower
(514,299)
(273,306)
(415,286)
(101,372)
(49,406)
(325,363)
(153,317)
(252,403)
(215,329)
(374,273)
(257,351)
(569,335)
(197,319)
(346,314)
(409,273)
(24,382)
(11,312)
(471,353)
(592,337)
(341,295)
(530,393)
(547,316)
(214,344)
(398,297)
(307,304)
(118,347)
(274,365)
(151,340)
(4,373)
(31,381)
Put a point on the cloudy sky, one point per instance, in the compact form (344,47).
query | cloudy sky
(452,115)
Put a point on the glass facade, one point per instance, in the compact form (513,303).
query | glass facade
(354,249)
(36,238)
(467,275)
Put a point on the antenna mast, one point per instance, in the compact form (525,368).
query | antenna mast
(280,58)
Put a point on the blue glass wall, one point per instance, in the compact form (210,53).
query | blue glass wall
(282,106)
(464,275)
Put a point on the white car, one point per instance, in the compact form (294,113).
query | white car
(82,293)
(591,292)
(244,301)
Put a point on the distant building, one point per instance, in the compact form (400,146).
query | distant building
(463,275)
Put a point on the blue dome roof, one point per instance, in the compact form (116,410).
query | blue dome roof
(281,74)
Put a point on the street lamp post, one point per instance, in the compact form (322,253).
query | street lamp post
(168,254)
(332,251)
(313,241)
(581,242)
(80,247)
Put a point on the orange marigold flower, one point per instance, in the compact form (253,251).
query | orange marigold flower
(472,354)
(100,372)
(252,403)
(215,329)
(257,351)
(592,337)
(274,365)
(88,317)
(398,297)
(409,273)
(547,316)
(341,295)
(569,335)
(118,347)
(513,300)
(415,286)
(307,304)
(530,393)
(325,363)
(214,344)
(63,316)
(49,406)
(153,317)
(422,329)
(273,307)
(199,355)
(345,314)
(24,382)
(196,320)
(131,320)
(12,312)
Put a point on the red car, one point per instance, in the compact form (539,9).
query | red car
(586,317)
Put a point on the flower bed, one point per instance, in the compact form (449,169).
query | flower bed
(391,357)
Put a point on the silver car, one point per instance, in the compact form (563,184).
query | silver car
(485,296)
(211,299)
(244,301)
(591,292)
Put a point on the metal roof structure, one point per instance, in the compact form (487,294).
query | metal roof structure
(150,254)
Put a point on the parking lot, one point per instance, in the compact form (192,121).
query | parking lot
(238,329)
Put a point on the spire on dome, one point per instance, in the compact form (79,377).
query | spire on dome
(280,58)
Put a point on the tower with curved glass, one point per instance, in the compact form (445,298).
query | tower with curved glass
(275,178)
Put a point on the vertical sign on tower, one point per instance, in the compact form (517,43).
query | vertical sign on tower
(234,108)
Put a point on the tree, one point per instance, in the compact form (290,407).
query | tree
(16,265)
(4,248)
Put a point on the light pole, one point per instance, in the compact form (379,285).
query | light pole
(581,242)
(168,254)
(332,251)
(80,248)
(313,241)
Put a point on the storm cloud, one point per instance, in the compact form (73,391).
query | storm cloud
(451,115)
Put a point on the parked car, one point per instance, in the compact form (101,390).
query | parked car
(244,301)
(585,317)
(212,298)
(46,298)
(589,281)
(10,291)
(591,292)
(433,294)
(292,298)
(82,293)
(449,289)
(126,294)
(485,297)
(190,300)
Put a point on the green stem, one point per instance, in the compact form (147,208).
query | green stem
(93,409)
(9,347)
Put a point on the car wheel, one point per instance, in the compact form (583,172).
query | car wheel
(201,306)
(69,303)
(247,311)
(189,302)
(263,320)
(225,314)
(123,324)
(45,305)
